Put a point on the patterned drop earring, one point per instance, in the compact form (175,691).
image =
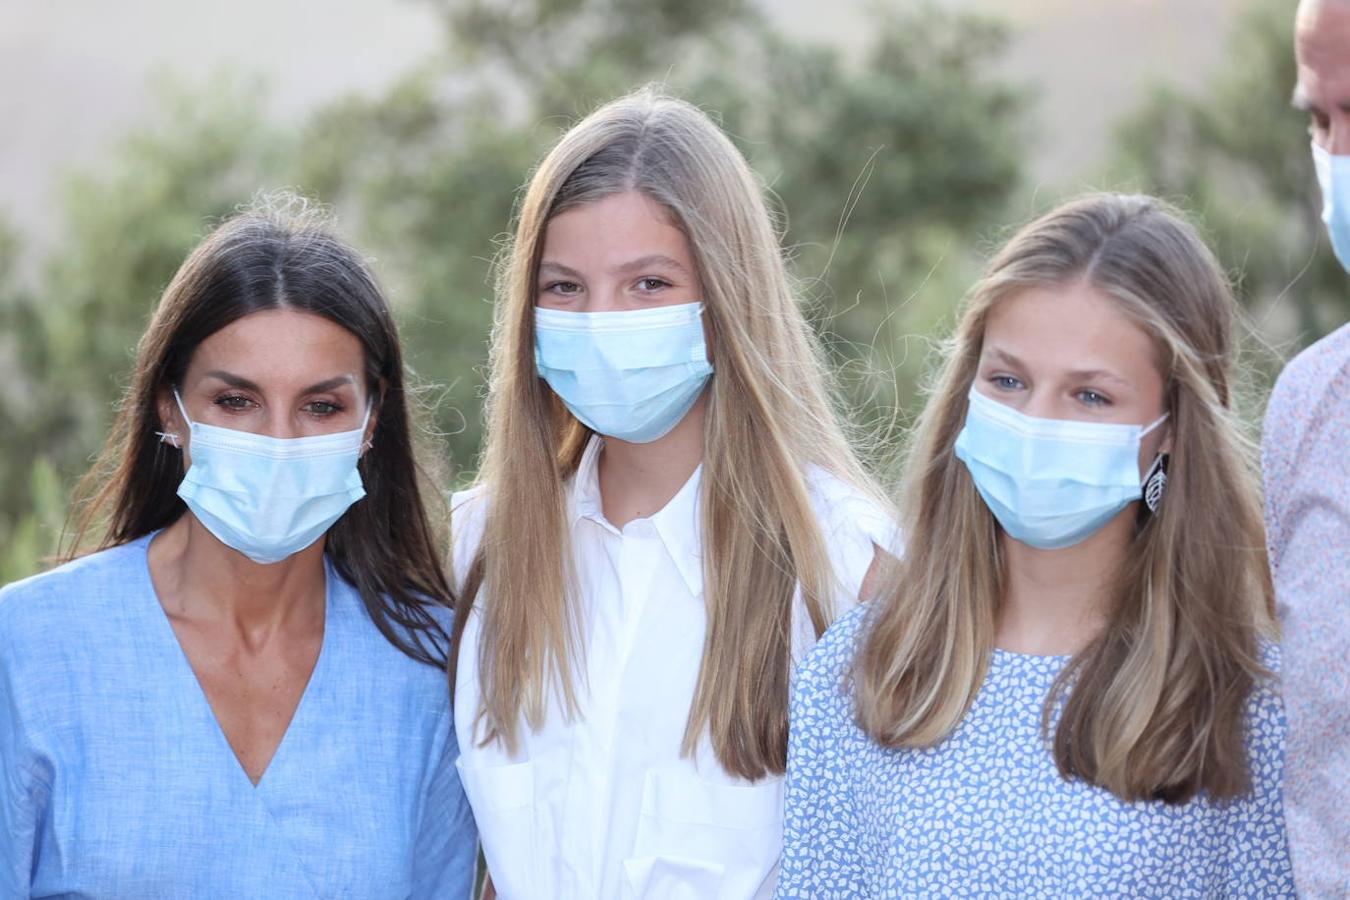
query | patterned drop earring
(1155,482)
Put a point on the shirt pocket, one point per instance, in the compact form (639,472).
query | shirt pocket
(700,839)
(502,798)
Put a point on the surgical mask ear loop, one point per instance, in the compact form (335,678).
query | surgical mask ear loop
(1161,419)
(171,437)
(367,443)
(182,409)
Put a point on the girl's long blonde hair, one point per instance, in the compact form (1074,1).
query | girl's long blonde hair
(1154,707)
(770,416)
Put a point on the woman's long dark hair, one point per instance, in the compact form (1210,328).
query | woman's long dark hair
(281,255)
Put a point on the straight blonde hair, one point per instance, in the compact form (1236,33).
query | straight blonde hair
(1154,707)
(770,417)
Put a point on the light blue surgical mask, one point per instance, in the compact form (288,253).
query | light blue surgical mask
(1333,176)
(270,497)
(1050,482)
(628,374)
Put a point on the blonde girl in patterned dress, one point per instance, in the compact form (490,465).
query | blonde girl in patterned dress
(1065,689)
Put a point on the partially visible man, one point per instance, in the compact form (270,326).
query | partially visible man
(1306,462)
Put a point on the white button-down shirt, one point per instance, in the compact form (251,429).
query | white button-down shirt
(605,806)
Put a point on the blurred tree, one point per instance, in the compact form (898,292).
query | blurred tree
(16,311)
(564,56)
(1238,154)
(30,496)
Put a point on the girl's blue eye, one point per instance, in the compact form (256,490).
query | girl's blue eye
(565,288)
(1005,382)
(1092,398)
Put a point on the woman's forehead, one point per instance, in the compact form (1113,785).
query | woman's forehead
(282,345)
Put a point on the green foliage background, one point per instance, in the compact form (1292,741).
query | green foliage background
(894,171)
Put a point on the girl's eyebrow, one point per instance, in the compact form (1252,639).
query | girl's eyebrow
(1077,374)
(560,269)
(651,261)
(1096,375)
(1007,358)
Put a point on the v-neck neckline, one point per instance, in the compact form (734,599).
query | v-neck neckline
(193,685)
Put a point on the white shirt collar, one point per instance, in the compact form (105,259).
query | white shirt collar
(678,523)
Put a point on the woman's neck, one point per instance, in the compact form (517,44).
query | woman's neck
(198,577)
(637,480)
(1055,602)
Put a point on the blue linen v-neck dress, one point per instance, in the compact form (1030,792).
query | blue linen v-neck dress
(117,782)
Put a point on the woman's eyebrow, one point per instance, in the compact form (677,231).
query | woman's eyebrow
(330,384)
(238,381)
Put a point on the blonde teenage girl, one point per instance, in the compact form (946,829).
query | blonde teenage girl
(668,514)
(1065,689)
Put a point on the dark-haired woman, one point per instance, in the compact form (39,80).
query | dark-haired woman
(241,694)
